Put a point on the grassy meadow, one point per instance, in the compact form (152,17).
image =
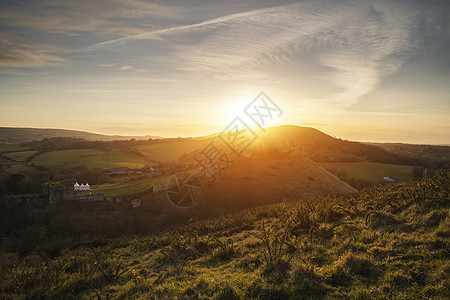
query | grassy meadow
(19,156)
(13,167)
(5,147)
(386,242)
(91,158)
(126,189)
(372,171)
(172,150)
(133,188)
(15,157)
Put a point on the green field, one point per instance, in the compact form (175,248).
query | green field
(172,150)
(94,158)
(90,158)
(372,172)
(19,156)
(125,189)
(14,167)
(12,148)
(131,188)
(11,167)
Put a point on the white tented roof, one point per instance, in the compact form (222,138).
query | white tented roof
(389,179)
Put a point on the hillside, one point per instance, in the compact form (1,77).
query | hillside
(353,162)
(264,179)
(21,135)
(317,145)
(320,147)
(386,242)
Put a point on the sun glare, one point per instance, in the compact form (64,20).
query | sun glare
(234,109)
(235,104)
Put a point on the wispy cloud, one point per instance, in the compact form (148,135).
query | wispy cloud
(131,68)
(23,55)
(346,45)
(111,17)
(179,29)
(329,60)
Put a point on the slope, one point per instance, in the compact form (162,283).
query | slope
(387,242)
(264,179)
(20,135)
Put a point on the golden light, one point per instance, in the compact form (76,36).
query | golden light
(235,104)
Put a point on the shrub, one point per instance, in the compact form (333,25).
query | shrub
(266,291)
(307,284)
(396,280)
(226,293)
(377,220)
(224,251)
(358,265)
(433,218)
(336,276)
(278,248)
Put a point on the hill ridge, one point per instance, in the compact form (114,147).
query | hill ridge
(28,134)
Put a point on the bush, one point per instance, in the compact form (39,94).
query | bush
(226,293)
(30,237)
(377,220)
(358,265)
(277,247)
(307,284)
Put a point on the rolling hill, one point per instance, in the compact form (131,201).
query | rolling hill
(431,156)
(20,135)
(281,159)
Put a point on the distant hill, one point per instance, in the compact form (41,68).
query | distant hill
(431,156)
(320,147)
(310,142)
(20,135)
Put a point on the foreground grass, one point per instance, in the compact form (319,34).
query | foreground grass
(386,242)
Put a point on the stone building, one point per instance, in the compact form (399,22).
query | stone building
(57,192)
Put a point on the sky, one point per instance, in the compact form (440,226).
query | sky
(358,70)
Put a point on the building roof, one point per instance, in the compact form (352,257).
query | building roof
(389,179)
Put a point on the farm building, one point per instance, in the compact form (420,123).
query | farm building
(62,191)
(389,179)
(81,187)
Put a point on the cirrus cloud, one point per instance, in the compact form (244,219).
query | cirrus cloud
(348,47)
(23,55)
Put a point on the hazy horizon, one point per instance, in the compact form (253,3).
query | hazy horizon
(218,132)
(373,71)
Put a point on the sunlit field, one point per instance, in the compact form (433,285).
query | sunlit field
(169,151)
(373,172)
(91,159)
